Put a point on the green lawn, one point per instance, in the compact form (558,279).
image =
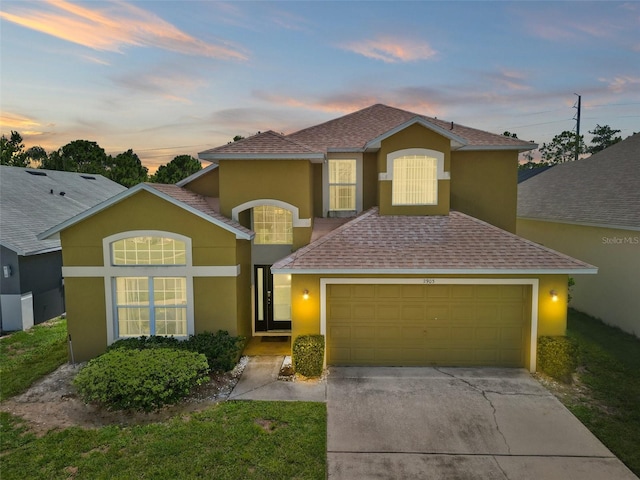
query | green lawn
(610,408)
(27,356)
(231,440)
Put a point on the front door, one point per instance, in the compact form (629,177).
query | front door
(273,300)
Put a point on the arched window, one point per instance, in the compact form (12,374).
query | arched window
(414,175)
(150,295)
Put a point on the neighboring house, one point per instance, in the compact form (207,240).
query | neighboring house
(31,286)
(389,232)
(591,209)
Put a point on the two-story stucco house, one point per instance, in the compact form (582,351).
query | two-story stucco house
(389,232)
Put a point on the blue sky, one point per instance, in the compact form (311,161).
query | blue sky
(166,78)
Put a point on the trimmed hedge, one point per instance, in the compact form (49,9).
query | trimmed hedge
(557,357)
(308,355)
(130,379)
(221,349)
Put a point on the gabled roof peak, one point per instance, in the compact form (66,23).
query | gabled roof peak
(358,131)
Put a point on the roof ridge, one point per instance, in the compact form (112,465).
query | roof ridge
(526,240)
(348,115)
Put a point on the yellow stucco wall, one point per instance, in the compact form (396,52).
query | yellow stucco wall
(289,181)
(86,316)
(485,185)
(82,243)
(611,294)
(414,136)
(316,168)
(218,301)
(369,180)
(207,185)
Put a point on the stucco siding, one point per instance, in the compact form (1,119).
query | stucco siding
(484,185)
(86,317)
(207,185)
(415,136)
(612,294)
(242,181)
(83,242)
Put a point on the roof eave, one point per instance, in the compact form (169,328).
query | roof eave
(197,175)
(261,156)
(519,148)
(434,271)
(54,232)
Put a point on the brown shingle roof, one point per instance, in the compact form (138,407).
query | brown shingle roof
(358,128)
(455,243)
(603,189)
(268,143)
(354,131)
(197,202)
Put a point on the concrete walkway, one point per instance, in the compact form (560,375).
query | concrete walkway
(456,423)
(259,381)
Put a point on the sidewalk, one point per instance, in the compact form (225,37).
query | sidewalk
(259,381)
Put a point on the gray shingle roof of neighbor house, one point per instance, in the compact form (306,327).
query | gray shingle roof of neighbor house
(359,131)
(185,199)
(454,243)
(33,200)
(601,190)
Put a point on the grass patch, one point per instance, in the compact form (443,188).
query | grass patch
(231,440)
(27,356)
(610,368)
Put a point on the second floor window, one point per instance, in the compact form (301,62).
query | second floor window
(415,180)
(272,225)
(342,184)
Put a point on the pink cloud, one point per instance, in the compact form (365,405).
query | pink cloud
(392,50)
(113,27)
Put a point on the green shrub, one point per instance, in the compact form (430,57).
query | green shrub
(557,357)
(221,349)
(142,343)
(308,355)
(124,379)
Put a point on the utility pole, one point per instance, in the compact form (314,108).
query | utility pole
(578,126)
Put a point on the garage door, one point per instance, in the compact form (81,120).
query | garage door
(416,324)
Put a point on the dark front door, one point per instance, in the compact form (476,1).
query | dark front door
(273,300)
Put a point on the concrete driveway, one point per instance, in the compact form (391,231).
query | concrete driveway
(456,423)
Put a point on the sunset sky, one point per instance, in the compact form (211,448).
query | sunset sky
(167,78)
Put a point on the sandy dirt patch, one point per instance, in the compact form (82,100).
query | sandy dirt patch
(52,403)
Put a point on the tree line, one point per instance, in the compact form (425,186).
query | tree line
(562,148)
(84,156)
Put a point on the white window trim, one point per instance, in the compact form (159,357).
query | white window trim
(325,180)
(533,282)
(295,212)
(439,156)
(112,271)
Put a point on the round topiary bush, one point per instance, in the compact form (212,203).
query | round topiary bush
(144,380)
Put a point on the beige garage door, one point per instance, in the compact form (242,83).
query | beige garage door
(409,324)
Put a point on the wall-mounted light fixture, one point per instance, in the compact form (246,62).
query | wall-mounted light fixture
(305,294)
(554,295)
(6,271)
